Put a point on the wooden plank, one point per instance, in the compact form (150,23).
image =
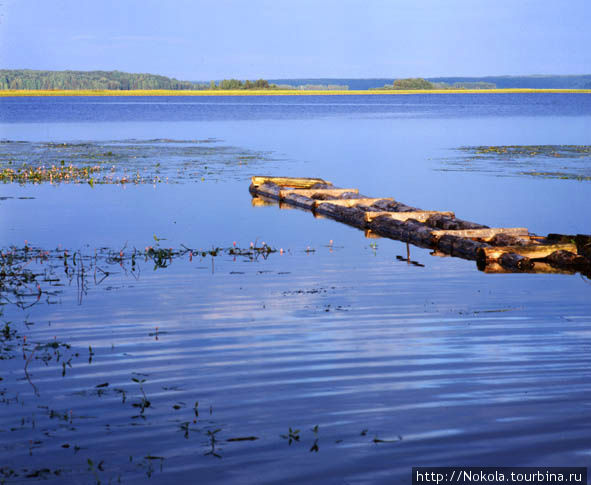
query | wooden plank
(484,234)
(352,202)
(420,216)
(312,192)
(533,251)
(297,182)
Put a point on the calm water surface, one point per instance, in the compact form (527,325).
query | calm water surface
(346,363)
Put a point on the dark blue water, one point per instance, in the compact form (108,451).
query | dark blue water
(220,108)
(441,364)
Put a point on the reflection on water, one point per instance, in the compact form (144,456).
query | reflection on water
(156,362)
(332,360)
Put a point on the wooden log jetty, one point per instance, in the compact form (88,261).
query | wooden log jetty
(496,250)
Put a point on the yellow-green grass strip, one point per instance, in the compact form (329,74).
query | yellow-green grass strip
(271,92)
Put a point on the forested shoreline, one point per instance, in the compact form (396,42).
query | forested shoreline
(35,80)
(26,79)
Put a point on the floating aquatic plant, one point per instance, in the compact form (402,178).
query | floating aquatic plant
(124,162)
(27,173)
(565,162)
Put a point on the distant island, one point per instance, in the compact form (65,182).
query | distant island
(418,83)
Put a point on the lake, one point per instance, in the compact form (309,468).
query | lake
(147,332)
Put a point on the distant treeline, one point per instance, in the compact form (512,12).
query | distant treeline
(112,80)
(582,81)
(100,80)
(525,82)
(315,87)
(117,80)
(238,84)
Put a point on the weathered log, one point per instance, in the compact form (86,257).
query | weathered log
(566,258)
(483,234)
(351,202)
(267,189)
(394,206)
(533,251)
(451,223)
(513,260)
(296,182)
(299,201)
(410,231)
(316,192)
(509,249)
(342,213)
(304,197)
(583,242)
(509,240)
(420,216)
(459,246)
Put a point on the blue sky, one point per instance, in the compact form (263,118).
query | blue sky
(214,39)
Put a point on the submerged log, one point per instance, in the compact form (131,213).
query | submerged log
(483,234)
(533,251)
(420,216)
(297,182)
(316,192)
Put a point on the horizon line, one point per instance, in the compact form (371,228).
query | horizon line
(301,77)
